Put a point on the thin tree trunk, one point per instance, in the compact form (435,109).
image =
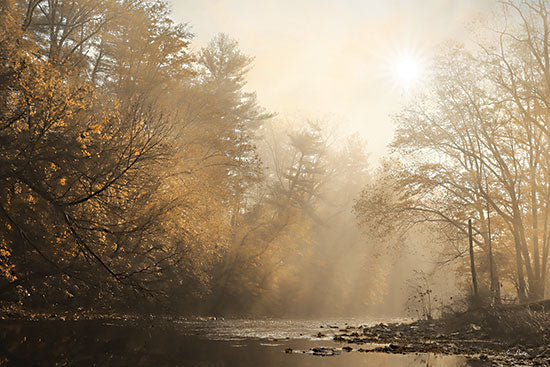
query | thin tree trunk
(522,295)
(472,262)
(495,282)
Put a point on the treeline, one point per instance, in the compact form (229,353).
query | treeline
(476,145)
(137,174)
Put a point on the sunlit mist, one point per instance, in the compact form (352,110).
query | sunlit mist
(407,71)
(263,183)
(332,60)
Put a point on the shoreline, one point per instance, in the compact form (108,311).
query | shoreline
(439,336)
(471,334)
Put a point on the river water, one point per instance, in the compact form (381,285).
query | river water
(208,343)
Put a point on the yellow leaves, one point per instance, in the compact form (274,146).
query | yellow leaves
(96,128)
(63,181)
(61,237)
(18,189)
(59,123)
(7,272)
(91,129)
(31,199)
(6,269)
(85,152)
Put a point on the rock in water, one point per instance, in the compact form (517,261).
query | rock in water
(324,352)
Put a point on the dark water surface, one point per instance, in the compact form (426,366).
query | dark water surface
(217,343)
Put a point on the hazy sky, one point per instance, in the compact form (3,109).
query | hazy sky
(332,60)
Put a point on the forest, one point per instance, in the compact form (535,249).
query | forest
(135,167)
(474,146)
(138,172)
(141,178)
(138,175)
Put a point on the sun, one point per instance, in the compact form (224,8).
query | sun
(403,66)
(407,71)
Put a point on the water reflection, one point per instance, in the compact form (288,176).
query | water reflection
(89,343)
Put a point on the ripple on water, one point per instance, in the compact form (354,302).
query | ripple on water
(227,343)
(274,328)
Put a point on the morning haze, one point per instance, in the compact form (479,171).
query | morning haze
(331,60)
(267,183)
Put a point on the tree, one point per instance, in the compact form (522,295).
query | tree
(79,180)
(481,135)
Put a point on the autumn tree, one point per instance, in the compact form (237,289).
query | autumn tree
(475,147)
(79,178)
(134,169)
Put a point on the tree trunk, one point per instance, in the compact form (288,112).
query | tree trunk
(472,262)
(495,281)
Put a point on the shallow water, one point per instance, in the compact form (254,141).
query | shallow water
(217,343)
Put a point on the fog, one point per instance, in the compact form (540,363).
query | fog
(339,63)
(332,60)
(282,159)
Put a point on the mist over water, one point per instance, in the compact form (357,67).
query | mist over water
(191,343)
(162,202)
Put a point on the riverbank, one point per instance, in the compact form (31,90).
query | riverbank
(501,337)
(209,343)
(504,336)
